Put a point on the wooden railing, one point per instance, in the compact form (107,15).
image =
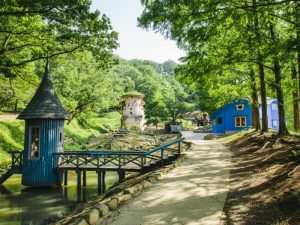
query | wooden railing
(116,160)
(16,158)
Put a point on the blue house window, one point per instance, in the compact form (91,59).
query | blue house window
(240,121)
(34,142)
(220,120)
(275,123)
(240,107)
(274,107)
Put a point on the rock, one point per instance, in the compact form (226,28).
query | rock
(123,198)
(92,216)
(297,147)
(146,184)
(101,221)
(151,179)
(103,209)
(139,187)
(79,221)
(131,190)
(112,204)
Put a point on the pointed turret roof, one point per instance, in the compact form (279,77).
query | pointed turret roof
(45,103)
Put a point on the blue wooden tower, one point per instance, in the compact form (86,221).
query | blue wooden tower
(44,135)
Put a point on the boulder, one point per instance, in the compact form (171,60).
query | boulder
(112,204)
(79,221)
(91,216)
(103,209)
(101,221)
(123,198)
(146,184)
(131,190)
(152,179)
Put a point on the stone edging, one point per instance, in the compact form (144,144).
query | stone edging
(98,213)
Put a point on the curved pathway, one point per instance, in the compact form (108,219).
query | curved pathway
(192,194)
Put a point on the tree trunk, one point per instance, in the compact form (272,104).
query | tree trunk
(255,105)
(16,105)
(295,98)
(281,111)
(263,96)
(279,93)
(261,68)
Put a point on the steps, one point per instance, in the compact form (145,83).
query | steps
(5,176)
(120,133)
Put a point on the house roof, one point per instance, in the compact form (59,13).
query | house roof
(45,103)
(133,93)
(227,105)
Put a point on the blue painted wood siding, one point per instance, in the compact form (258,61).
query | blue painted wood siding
(41,171)
(228,113)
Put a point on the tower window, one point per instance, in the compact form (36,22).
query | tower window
(34,142)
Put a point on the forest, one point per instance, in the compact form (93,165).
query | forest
(235,49)
(88,78)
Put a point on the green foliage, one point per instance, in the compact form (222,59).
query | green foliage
(225,40)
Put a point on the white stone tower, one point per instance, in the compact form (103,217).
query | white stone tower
(133,110)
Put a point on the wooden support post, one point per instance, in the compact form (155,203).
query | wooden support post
(78,179)
(121,176)
(65,177)
(103,181)
(179,148)
(99,182)
(84,178)
(162,157)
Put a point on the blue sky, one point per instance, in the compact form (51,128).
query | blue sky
(134,41)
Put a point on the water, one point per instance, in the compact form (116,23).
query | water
(34,206)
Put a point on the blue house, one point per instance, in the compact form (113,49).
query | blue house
(44,131)
(232,117)
(272,112)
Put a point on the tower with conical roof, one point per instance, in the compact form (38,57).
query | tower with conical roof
(44,135)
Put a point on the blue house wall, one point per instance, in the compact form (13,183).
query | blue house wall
(41,171)
(227,115)
(272,113)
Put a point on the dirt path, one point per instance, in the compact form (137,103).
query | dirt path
(192,194)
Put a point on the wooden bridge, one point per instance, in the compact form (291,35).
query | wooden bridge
(102,161)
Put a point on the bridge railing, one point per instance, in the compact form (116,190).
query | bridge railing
(117,159)
(16,158)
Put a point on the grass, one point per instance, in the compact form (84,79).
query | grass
(76,136)
(235,136)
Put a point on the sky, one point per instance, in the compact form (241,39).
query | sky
(136,43)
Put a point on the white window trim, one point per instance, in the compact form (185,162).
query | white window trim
(240,117)
(276,107)
(29,143)
(237,107)
(60,129)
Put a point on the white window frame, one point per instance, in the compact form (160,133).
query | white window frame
(29,143)
(273,123)
(274,105)
(237,107)
(235,121)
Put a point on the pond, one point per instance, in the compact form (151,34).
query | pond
(21,205)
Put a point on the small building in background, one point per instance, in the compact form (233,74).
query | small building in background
(44,135)
(273,114)
(232,117)
(133,113)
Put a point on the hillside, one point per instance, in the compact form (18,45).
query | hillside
(264,180)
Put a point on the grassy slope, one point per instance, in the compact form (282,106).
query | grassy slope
(12,134)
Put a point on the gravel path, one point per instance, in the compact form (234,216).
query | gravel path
(192,194)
